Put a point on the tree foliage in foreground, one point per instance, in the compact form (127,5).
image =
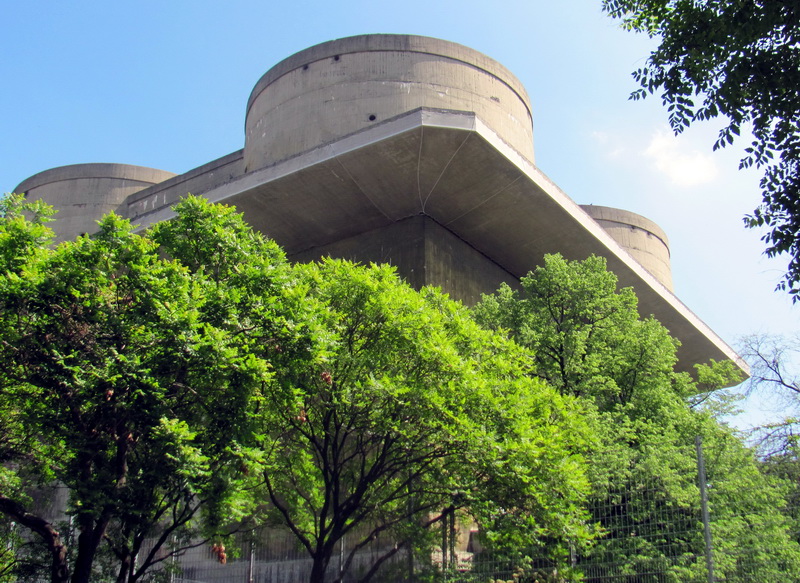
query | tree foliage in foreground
(412,413)
(735,59)
(179,382)
(129,380)
(587,339)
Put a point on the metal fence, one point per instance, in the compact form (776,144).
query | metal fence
(702,520)
(709,525)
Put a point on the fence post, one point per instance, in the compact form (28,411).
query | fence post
(410,557)
(251,563)
(452,541)
(341,558)
(701,477)
(444,544)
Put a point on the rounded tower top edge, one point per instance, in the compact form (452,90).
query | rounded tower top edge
(644,240)
(391,42)
(94,170)
(611,214)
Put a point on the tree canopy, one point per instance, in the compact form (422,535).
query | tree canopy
(188,381)
(586,337)
(409,414)
(129,380)
(735,59)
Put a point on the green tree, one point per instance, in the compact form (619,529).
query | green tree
(126,381)
(407,414)
(735,59)
(585,336)
(587,339)
(753,525)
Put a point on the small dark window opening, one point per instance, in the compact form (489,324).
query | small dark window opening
(372,117)
(305,67)
(336,58)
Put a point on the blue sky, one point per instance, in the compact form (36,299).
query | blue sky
(165,83)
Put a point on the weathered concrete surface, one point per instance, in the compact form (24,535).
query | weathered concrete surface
(453,169)
(197,181)
(424,253)
(334,89)
(84,193)
(639,236)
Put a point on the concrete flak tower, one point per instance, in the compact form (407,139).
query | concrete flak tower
(402,149)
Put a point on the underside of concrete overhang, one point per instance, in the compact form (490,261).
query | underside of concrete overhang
(447,166)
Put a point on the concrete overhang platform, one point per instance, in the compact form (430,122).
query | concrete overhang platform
(451,168)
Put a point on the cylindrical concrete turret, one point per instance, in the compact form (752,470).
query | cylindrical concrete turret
(639,236)
(340,87)
(83,193)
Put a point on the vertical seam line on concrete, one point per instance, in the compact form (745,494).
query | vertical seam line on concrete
(484,201)
(446,166)
(361,190)
(419,166)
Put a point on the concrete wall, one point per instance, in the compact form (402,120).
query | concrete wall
(424,253)
(340,87)
(198,181)
(639,236)
(83,193)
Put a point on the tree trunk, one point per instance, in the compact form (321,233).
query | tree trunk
(83,563)
(88,541)
(320,566)
(124,569)
(59,571)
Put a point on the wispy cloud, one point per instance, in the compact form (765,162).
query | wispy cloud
(611,144)
(683,166)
